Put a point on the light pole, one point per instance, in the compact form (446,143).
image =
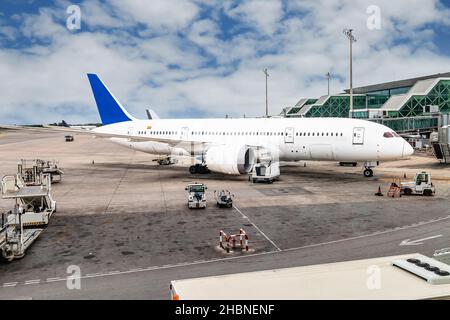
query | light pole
(266,72)
(351,38)
(328,75)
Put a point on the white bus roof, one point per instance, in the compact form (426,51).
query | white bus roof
(341,280)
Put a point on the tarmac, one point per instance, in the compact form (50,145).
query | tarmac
(123,220)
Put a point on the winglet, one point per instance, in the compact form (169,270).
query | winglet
(151,114)
(110,110)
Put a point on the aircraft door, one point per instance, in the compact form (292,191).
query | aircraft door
(130,131)
(184,133)
(358,135)
(289,135)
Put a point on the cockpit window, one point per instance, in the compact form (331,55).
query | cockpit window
(390,134)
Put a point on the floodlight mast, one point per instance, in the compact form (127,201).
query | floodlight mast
(328,75)
(266,72)
(349,34)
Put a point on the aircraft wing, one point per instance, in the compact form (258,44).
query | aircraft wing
(43,128)
(96,133)
(188,145)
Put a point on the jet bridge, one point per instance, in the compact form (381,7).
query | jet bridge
(440,142)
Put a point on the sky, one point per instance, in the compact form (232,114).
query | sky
(204,59)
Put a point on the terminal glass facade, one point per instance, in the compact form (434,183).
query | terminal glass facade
(413,113)
(438,96)
(337,106)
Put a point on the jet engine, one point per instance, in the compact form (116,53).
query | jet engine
(230,159)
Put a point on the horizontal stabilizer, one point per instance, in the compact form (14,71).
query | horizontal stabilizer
(151,114)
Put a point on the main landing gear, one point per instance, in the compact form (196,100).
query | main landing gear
(199,168)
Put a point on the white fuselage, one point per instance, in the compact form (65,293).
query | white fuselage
(292,139)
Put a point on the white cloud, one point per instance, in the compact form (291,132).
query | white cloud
(158,15)
(182,59)
(42,25)
(8,32)
(204,33)
(261,15)
(98,14)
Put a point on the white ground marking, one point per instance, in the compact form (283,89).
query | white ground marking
(114,272)
(371,234)
(154,268)
(10,284)
(120,182)
(93,274)
(409,242)
(259,230)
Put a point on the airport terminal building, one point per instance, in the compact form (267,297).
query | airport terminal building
(413,105)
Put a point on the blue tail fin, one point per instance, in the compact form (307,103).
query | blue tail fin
(111,111)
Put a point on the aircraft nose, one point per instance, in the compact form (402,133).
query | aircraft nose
(407,149)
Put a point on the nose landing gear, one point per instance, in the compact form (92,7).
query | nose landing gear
(368,165)
(368,173)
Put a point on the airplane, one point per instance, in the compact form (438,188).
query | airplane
(234,146)
(81,126)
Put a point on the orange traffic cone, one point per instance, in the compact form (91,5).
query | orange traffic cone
(379,193)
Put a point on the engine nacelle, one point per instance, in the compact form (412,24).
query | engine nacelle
(230,159)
